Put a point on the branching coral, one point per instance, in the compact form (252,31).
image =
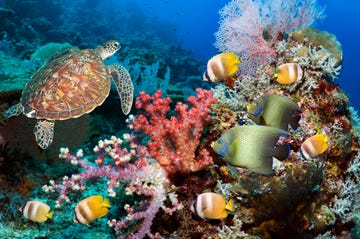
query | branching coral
(251,28)
(142,177)
(175,140)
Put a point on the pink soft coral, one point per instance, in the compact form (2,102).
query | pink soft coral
(251,28)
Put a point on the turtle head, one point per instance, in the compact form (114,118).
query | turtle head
(108,49)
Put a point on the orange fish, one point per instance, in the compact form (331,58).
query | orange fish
(222,67)
(211,206)
(314,146)
(91,208)
(36,211)
(288,73)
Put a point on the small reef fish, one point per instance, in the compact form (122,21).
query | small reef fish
(91,208)
(288,73)
(314,146)
(252,147)
(211,206)
(274,110)
(222,67)
(36,211)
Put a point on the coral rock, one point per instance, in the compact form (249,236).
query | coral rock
(316,38)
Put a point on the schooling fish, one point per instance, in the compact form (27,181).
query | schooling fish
(211,206)
(288,73)
(314,146)
(221,67)
(252,147)
(91,208)
(36,211)
(274,110)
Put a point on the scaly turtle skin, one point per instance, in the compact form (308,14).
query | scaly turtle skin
(71,84)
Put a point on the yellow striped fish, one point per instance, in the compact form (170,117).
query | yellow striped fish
(222,67)
(36,211)
(211,206)
(91,208)
(288,73)
(314,146)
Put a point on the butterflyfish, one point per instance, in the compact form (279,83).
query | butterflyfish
(221,68)
(274,110)
(252,147)
(314,146)
(211,206)
(288,73)
(91,208)
(36,211)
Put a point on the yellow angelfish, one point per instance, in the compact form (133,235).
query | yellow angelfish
(252,147)
(274,110)
(222,67)
(211,206)
(314,146)
(91,208)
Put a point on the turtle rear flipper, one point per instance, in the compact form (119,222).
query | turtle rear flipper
(44,133)
(13,111)
(124,86)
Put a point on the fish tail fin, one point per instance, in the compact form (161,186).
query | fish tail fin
(238,60)
(282,151)
(50,215)
(276,73)
(106,203)
(230,205)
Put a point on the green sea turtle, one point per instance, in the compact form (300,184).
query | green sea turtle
(74,82)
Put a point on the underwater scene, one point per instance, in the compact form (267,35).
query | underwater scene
(178,119)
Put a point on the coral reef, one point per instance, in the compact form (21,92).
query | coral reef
(153,173)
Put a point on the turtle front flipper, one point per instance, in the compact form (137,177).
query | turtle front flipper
(44,133)
(124,86)
(13,111)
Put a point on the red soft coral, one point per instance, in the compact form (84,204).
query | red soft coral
(175,139)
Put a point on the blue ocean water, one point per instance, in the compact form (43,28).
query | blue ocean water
(197,21)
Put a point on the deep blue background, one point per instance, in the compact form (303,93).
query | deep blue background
(197,21)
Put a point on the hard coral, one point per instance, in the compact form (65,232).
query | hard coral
(317,38)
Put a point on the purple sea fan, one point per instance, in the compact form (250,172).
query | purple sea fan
(251,28)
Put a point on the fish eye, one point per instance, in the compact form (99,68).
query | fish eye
(220,140)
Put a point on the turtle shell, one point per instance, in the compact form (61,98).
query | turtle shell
(68,86)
